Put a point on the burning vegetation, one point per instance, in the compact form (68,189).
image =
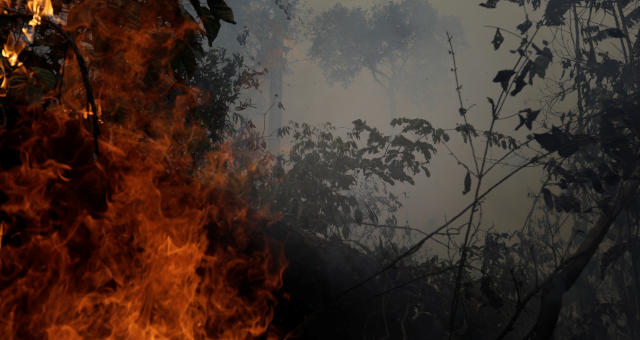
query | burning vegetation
(108,228)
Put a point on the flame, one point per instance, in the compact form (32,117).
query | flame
(39,8)
(142,243)
(12,49)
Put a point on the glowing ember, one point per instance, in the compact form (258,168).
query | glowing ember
(142,243)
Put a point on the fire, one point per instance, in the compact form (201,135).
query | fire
(39,8)
(12,49)
(140,243)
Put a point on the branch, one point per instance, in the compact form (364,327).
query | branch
(414,248)
(85,79)
(565,276)
(83,70)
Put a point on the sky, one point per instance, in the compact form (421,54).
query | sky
(307,96)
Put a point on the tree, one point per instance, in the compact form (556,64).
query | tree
(392,41)
(589,155)
(333,185)
(267,26)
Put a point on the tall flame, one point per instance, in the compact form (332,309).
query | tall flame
(142,243)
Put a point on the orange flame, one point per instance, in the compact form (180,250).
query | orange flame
(142,243)
(12,49)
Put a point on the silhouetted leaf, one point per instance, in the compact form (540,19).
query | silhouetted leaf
(524,27)
(555,11)
(503,78)
(211,25)
(467,183)
(528,119)
(493,104)
(632,17)
(221,10)
(489,4)
(607,33)
(548,198)
(498,39)
(520,83)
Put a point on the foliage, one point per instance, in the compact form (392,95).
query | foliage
(332,182)
(221,80)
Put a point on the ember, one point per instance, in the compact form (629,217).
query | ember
(137,243)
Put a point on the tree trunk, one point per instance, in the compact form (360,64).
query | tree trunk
(565,276)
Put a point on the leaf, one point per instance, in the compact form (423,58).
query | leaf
(211,26)
(493,105)
(555,11)
(467,183)
(45,77)
(608,33)
(556,140)
(524,27)
(196,6)
(527,120)
(221,10)
(548,198)
(520,83)
(498,39)
(633,17)
(503,78)
(489,4)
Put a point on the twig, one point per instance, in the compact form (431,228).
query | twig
(85,79)
(462,110)
(421,242)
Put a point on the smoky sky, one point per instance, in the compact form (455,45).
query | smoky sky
(430,94)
